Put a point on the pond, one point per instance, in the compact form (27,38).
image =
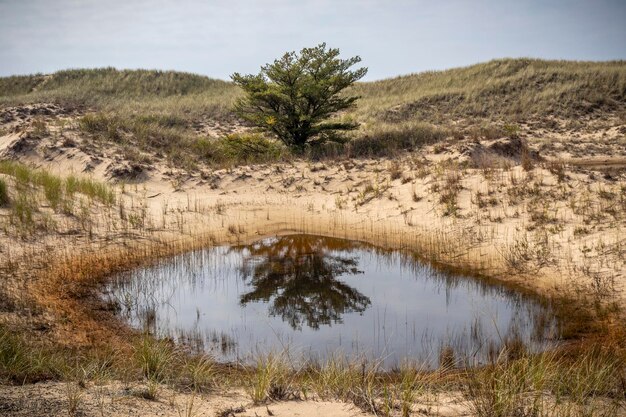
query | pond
(315,296)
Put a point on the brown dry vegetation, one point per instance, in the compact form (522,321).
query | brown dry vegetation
(511,171)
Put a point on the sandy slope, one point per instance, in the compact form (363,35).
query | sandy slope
(391,202)
(574,212)
(51,399)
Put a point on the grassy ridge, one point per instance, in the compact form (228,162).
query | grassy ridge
(97,84)
(122,91)
(163,112)
(499,88)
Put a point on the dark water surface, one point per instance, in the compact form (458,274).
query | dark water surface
(318,296)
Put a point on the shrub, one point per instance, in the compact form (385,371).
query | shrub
(249,148)
(4,193)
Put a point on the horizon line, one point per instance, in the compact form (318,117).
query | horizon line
(435,70)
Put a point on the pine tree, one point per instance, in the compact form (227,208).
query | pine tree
(295,96)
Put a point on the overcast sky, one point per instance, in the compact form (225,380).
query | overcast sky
(219,37)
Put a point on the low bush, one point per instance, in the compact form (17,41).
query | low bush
(4,193)
(389,140)
(246,148)
(101,125)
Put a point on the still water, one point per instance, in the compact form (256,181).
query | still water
(314,296)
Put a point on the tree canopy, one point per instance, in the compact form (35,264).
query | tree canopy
(295,96)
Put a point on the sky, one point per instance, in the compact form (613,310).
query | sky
(219,37)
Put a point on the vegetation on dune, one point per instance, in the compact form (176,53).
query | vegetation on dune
(168,137)
(56,188)
(166,113)
(548,384)
(20,362)
(4,193)
(35,196)
(503,87)
(124,91)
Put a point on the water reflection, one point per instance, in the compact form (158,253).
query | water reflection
(297,276)
(317,296)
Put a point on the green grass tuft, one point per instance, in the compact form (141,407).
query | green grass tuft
(20,362)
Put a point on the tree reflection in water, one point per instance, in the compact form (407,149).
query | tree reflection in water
(297,275)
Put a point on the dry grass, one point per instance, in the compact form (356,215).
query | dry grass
(124,92)
(158,137)
(56,189)
(530,86)
(549,385)
(40,203)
